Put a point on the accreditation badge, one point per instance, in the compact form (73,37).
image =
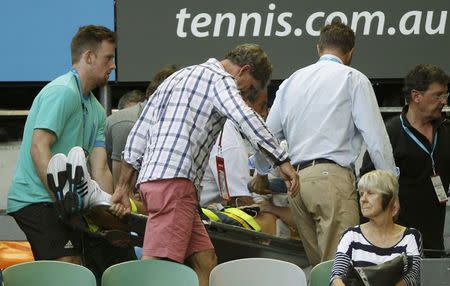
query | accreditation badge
(221,174)
(439,188)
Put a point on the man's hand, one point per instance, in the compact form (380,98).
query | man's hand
(125,185)
(121,203)
(291,177)
(260,185)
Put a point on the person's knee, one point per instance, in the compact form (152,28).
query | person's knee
(204,260)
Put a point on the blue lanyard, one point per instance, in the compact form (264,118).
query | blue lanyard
(330,58)
(414,138)
(84,108)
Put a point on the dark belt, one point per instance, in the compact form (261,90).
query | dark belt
(310,163)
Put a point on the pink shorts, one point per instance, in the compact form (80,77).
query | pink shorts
(174,229)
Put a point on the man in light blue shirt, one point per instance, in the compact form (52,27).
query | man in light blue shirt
(325,111)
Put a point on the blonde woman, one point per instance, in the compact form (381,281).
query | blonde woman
(380,239)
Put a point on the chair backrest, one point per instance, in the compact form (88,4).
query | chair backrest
(148,273)
(48,273)
(321,273)
(257,272)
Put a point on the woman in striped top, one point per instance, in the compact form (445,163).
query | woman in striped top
(380,239)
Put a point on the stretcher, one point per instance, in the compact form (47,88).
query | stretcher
(230,242)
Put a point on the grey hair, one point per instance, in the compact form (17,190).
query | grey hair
(383,182)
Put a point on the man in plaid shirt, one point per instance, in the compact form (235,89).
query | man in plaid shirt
(170,146)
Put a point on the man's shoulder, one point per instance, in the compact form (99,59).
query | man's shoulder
(62,88)
(129,114)
(214,66)
(65,81)
(356,73)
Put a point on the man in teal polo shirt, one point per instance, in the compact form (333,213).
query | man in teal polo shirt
(63,115)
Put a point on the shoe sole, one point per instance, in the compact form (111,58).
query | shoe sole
(74,168)
(75,175)
(57,175)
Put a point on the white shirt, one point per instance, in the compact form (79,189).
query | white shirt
(326,110)
(235,154)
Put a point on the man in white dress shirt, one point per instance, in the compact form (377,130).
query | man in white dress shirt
(325,111)
(235,151)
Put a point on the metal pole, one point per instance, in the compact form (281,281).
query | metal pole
(105,98)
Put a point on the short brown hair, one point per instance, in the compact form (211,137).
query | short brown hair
(337,36)
(254,56)
(89,37)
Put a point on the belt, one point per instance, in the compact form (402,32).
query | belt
(310,163)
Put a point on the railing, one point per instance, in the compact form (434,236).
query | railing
(382,109)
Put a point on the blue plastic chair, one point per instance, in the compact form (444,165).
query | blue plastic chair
(321,273)
(48,273)
(150,272)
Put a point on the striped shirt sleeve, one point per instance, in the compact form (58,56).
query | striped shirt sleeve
(415,253)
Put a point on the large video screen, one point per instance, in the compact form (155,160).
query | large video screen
(35,35)
(392,36)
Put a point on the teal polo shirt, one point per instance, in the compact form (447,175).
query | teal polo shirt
(76,120)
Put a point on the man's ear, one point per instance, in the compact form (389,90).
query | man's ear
(350,53)
(319,51)
(415,95)
(244,69)
(87,56)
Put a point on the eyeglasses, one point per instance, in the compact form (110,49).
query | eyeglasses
(443,96)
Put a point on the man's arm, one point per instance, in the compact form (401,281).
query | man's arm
(116,165)
(235,157)
(100,170)
(116,138)
(41,153)
(125,186)
(367,117)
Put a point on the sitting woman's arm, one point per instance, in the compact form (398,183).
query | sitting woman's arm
(412,277)
(414,251)
(340,266)
(401,283)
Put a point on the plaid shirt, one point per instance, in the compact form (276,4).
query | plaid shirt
(174,134)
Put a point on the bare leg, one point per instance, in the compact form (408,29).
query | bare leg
(203,262)
(267,222)
(284,213)
(148,257)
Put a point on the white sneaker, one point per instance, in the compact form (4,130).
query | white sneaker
(57,176)
(80,180)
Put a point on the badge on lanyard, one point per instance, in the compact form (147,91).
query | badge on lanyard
(439,188)
(221,173)
(435,178)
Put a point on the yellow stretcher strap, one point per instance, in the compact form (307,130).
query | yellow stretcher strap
(249,220)
(211,215)
(91,224)
(133,206)
(241,221)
